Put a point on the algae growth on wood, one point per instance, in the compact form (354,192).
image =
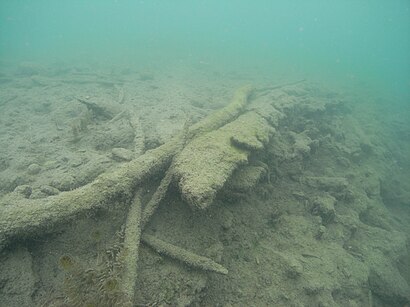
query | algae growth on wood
(206,163)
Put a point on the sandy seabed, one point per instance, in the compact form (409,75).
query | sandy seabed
(326,225)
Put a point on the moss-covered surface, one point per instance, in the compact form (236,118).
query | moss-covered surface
(21,217)
(250,131)
(225,115)
(330,227)
(206,163)
(188,258)
(245,178)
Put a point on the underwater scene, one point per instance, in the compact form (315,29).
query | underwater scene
(205,153)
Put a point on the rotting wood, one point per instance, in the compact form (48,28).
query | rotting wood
(187,257)
(23,218)
(156,198)
(208,161)
(20,217)
(97,110)
(131,245)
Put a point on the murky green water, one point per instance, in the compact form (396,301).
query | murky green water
(297,194)
(341,40)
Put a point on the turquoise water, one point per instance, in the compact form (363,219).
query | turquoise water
(344,40)
(298,197)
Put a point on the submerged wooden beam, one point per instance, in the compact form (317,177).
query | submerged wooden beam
(131,245)
(187,257)
(206,163)
(20,217)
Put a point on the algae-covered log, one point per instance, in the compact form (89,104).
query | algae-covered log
(245,178)
(223,116)
(206,163)
(20,217)
(156,198)
(183,255)
(131,247)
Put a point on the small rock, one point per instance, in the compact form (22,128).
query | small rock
(76,162)
(64,183)
(33,169)
(122,154)
(24,190)
(227,220)
(37,194)
(294,269)
(324,206)
(48,190)
(321,232)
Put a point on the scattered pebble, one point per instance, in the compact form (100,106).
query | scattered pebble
(122,154)
(49,190)
(24,190)
(33,169)
(294,269)
(37,194)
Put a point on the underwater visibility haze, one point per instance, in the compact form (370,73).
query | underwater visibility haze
(205,153)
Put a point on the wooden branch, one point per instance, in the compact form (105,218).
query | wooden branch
(156,198)
(187,257)
(20,217)
(131,247)
(96,109)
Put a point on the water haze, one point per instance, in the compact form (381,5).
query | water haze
(289,182)
(366,40)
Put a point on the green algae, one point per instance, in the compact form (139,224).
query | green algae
(206,163)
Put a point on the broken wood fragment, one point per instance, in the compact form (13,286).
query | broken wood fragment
(22,218)
(208,161)
(97,110)
(131,245)
(187,257)
(156,198)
